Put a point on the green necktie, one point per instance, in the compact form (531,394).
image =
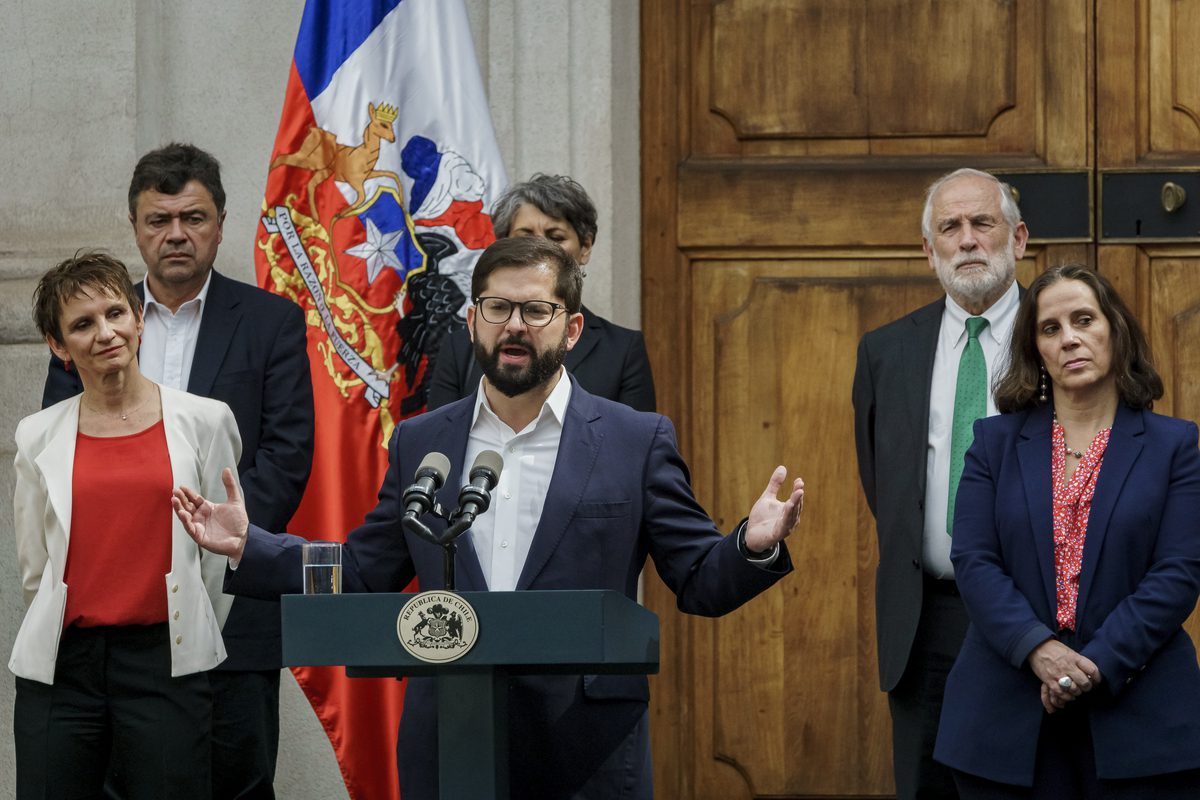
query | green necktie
(970,403)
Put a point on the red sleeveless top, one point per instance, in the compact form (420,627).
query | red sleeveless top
(120,540)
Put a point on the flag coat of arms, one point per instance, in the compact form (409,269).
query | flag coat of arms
(382,177)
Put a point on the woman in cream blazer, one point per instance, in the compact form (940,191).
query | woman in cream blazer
(111,682)
(202,439)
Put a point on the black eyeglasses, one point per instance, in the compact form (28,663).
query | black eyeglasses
(534,313)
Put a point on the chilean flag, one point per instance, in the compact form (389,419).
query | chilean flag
(377,203)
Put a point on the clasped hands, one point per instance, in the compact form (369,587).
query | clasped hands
(1052,661)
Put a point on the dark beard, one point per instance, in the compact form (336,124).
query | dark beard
(512,381)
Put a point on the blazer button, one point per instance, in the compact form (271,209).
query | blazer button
(175,588)
(178,640)
(916,564)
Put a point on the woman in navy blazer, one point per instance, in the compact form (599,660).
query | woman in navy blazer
(1076,678)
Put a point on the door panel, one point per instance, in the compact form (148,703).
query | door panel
(783,667)
(914,78)
(786,146)
(769,83)
(1148,82)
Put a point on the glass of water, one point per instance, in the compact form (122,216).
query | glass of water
(322,567)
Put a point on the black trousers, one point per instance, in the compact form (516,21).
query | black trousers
(245,734)
(916,702)
(113,700)
(1066,770)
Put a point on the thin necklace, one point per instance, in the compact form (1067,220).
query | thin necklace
(1066,448)
(124,415)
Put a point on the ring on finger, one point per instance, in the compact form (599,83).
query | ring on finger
(1066,682)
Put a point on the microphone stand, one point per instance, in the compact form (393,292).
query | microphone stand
(446,540)
(449,549)
(473,500)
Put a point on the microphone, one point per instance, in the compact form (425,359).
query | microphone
(431,476)
(475,497)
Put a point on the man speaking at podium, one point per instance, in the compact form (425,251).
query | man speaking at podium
(589,488)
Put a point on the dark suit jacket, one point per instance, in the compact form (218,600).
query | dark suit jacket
(608,360)
(250,354)
(891,432)
(1139,581)
(620,491)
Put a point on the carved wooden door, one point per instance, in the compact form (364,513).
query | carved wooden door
(786,145)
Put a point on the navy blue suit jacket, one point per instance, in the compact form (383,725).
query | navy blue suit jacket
(608,360)
(1139,581)
(250,354)
(620,492)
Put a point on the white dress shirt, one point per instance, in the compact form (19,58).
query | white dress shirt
(952,338)
(169,340)
(502,534)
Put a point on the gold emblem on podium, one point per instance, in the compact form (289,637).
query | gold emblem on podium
(437,626)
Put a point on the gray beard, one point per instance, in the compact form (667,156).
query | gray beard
(975,291)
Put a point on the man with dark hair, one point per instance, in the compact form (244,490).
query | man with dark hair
(608,361)
(213,336)
(920,384)
(589,489)
(168,169)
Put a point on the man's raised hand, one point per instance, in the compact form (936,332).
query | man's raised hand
(218,528)
(772,520)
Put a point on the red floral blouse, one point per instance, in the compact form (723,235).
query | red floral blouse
(1072,505)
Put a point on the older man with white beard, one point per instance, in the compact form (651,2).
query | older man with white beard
(920,384)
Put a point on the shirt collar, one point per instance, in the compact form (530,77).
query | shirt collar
(555,406)
(199,299)
(1000,316)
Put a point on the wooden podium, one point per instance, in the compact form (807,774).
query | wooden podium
(520,633)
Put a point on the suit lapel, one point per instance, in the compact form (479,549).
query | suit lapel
(56,461)
(217,325)
(1033,456)
(917,350)
(1124,446)
(140,288)
(917,353)
(180,450)
(452,440)
(577,451)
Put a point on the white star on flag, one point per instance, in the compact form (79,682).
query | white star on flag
(379,250)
